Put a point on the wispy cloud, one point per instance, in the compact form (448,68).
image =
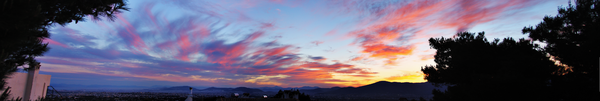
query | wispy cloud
(237,43)
(188,49)
(387,27)
(408,77)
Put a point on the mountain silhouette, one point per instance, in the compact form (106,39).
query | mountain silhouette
(217,89)
(384,87)
(246,90)
(178,88)
(378,88)
(277,88)
(319,90)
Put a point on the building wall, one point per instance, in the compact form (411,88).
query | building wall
(40,86)
(18,82)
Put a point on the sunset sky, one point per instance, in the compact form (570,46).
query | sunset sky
(265,43)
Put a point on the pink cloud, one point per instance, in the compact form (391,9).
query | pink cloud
(330,33)
(132,36)
(168,48)
(427,57)
(317,42)
(393,22)
(52,42)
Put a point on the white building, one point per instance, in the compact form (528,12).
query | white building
(28,86)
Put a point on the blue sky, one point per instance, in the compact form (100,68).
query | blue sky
(259,43)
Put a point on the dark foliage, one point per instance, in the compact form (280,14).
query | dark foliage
(304,97)
(279,94)
(5,93)
(291,93)
(24,23)
(403,99)
(422,99)
(477,70)
(573,38)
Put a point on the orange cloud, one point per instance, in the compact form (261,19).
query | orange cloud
(427,57)
(411,77)
(388,52)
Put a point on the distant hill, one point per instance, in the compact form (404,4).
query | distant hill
(98,87)
(384,87)
(308,87)
(210,89)
(378,88)
(178,88)
(318,90)
(238,89)
(214,89)
(246,90)
(277,88)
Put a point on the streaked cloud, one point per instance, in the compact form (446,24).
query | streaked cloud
(416,77)
(387,28)
(266,42)
(187,49)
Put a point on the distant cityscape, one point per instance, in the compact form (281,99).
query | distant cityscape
(380,91)
(180,96)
